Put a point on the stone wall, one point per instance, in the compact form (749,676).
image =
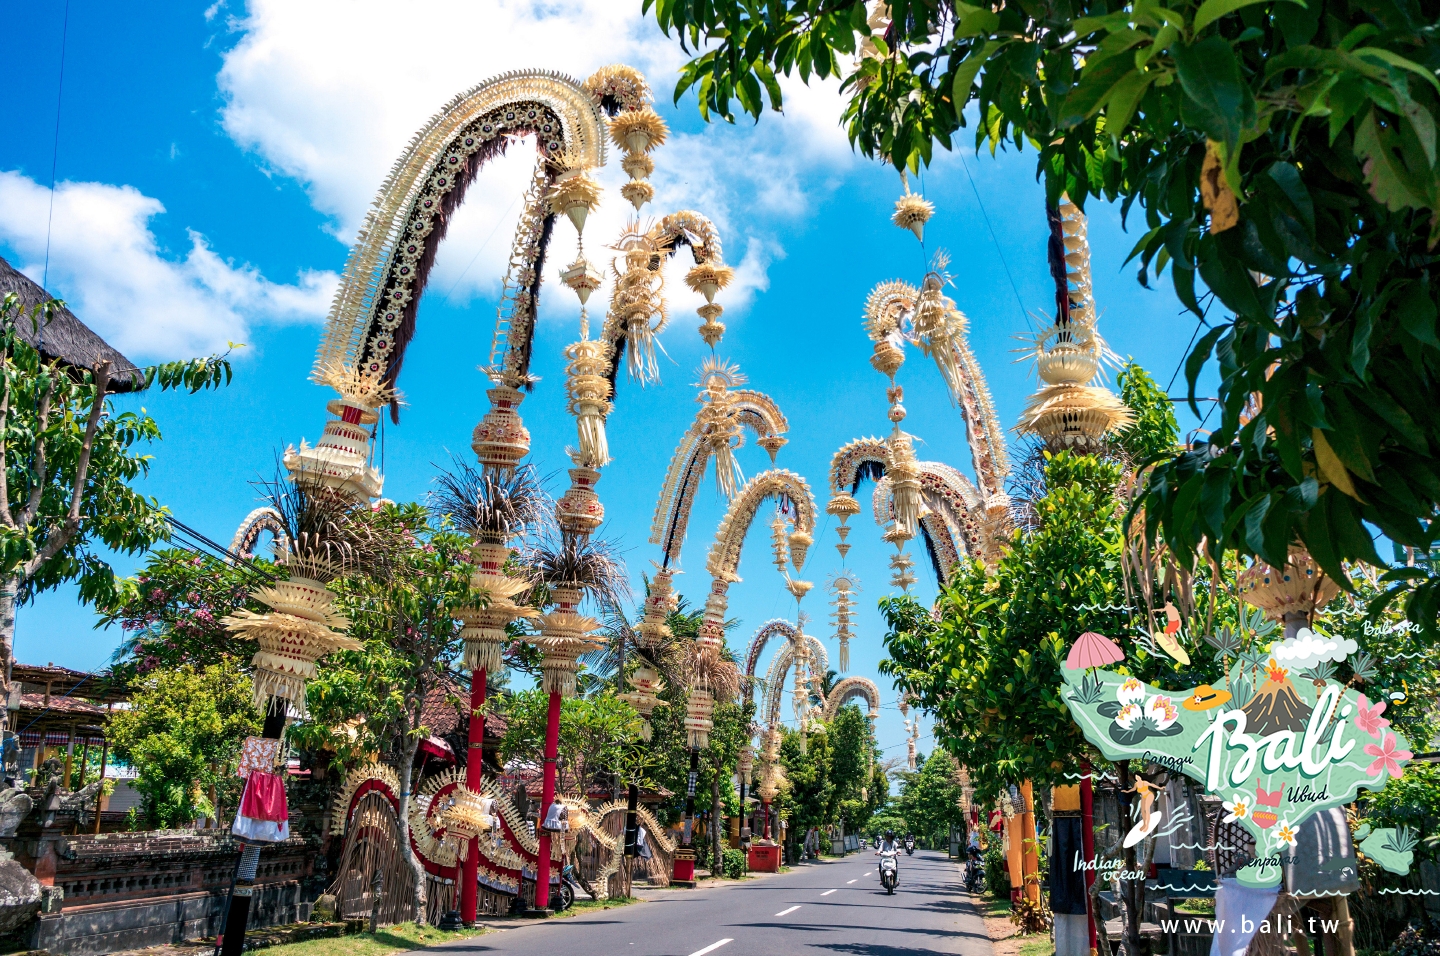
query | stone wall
(121,891)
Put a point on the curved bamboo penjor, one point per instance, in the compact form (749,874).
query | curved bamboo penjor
(724,558)
(779,669)
(373,314)
(768,630)
(637,311)
(847,690)
(715,433)
(897,312)
(252,526)
(955,526)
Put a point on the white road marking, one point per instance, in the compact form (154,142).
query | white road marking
(711,948)
(852,881)
(827,892)
(781,913)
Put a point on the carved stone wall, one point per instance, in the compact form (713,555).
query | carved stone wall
(122,891)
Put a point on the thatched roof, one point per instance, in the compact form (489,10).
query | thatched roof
(65,337)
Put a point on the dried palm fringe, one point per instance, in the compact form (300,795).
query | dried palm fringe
(594,448)
(844,654)
(287,686)
(728,477)
(559,679)
(483,654)
(641,342)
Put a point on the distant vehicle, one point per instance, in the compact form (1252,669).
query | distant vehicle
(909,846)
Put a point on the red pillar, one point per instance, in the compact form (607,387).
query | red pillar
(547,797)
(765,812)
(1087,844)
(474,770)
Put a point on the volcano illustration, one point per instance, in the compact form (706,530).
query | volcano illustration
(1275,705)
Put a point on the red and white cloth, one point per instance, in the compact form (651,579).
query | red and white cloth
(258,753)
(264,816)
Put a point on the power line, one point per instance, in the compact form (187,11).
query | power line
(993,238)
(55,147)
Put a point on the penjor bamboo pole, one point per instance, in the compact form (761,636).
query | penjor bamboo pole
(474,773)
(1030,859)
(1087,844)
(547,797)
(230,941)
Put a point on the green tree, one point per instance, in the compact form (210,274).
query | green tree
(67,460)
(853,758)
(599,738)
(182,734)
(170,611)
(929,800)
(989,667)
(808,799)
(405,617)
(1282,153)
(1154,433)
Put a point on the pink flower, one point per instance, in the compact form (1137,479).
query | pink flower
(1368,718)
(1387,758)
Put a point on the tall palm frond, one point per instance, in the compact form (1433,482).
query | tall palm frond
(493,506)
(592,565)
(324,533)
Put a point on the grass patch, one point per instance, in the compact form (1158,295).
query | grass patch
(584,904)
(1038,945)
(992,906)
(392,939)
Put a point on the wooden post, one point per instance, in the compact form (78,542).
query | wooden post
(69,757)
(104,752)
(1030,860)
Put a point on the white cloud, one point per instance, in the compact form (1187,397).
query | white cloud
(330,92)
(106,263)
(1307,648)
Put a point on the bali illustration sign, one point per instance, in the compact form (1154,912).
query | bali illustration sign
(1280,741)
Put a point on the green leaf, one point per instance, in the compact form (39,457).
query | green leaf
(1384,174)
(1217,100)
(1096,84)
(970,66)
(977,23)
(1212,10)
(1398,61)
(1124,99)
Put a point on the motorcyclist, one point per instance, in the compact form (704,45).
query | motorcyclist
(888,846)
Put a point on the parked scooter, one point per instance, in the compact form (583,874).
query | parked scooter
(564,896)
(973,872)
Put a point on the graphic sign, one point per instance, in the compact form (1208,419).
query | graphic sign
(1276,744)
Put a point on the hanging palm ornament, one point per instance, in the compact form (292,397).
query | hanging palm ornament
(912,211)
(1070,409)
(844,585)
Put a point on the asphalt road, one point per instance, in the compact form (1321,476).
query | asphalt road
(821,909)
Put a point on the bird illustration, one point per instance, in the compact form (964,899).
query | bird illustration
(1167,639)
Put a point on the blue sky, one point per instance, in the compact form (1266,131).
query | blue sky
(214,162)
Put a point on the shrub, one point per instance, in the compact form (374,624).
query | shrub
(734,864)
(997,873)
(1413,941)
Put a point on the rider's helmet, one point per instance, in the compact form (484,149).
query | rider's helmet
(890,835)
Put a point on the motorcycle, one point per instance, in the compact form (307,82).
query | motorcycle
(564,896)
(889,873)
(909,846)
(972,874)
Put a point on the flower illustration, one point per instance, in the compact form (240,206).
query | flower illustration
(1128,715)
(1368,719)
(1131,692)
(1285,835)
(1161,710)
(1237,809)
(1387,758)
